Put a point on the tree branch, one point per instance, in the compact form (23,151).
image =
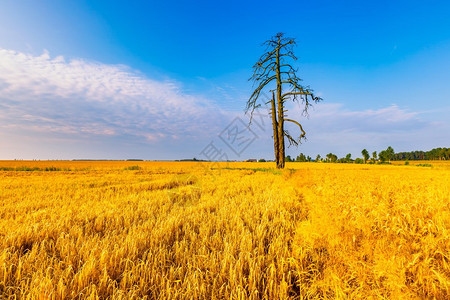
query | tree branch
(291,140)
(299,125)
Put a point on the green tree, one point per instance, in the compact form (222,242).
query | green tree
(359,161)
(288,158)
(365,155)
(374,156)
(390,153)
(318,158)
(301,158)
(348,158)
(383,156)
(274,71)
(331,157)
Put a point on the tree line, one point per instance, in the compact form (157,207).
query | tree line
(383,156)
(433,154)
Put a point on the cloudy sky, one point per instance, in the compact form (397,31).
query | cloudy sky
(168,79)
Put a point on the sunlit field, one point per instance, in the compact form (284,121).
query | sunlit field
(189,230)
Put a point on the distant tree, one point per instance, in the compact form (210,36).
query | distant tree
(383,156)
(318,158)
(261,160)
(331,157)
(288,158)
(348,158)
(390,153)
(308,158)
(365,155)
(301,158)
(274,71)
(359,161)
(374,156)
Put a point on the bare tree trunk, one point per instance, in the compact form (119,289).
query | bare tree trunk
(275,129)
(275,66)
(280,164)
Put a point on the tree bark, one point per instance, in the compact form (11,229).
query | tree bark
(281,154)
(275,129)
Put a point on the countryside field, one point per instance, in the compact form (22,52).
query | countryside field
(183,230)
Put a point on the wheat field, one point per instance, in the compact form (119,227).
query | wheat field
(185,230)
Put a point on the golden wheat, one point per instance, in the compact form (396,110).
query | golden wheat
(167,230)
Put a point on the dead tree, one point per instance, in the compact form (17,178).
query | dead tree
(274,72)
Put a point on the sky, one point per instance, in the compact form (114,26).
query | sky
(165,80)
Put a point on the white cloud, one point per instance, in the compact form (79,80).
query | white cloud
(81,98)
(332,127)
(336,118)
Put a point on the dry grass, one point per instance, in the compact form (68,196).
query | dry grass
(177,230)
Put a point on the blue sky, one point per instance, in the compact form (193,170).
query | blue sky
(162,79)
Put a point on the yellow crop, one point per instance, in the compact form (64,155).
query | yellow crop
(167,230)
